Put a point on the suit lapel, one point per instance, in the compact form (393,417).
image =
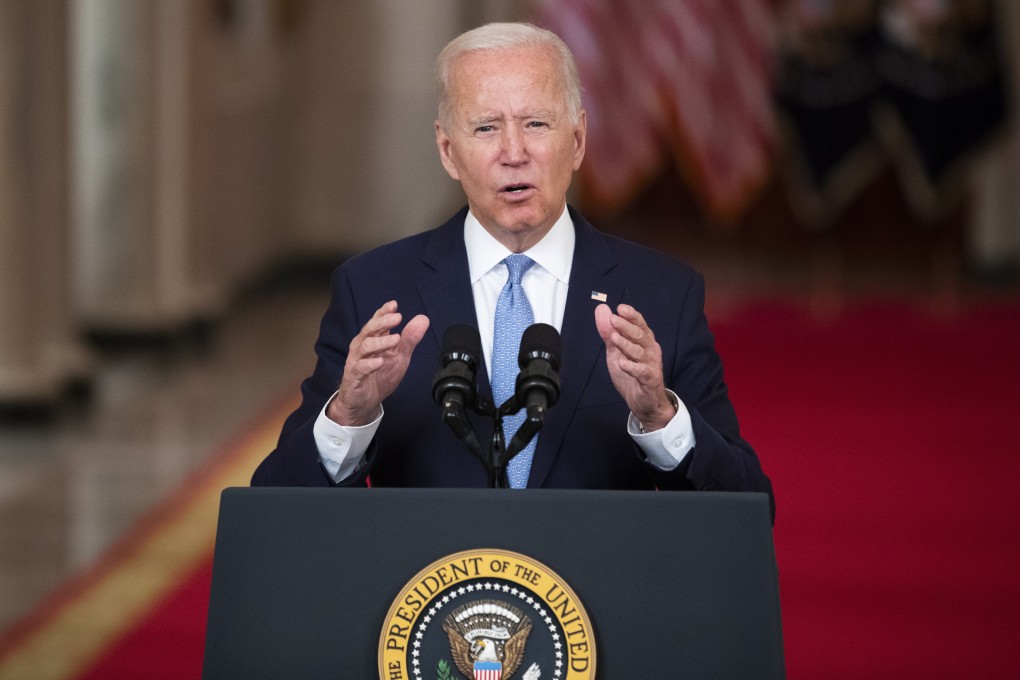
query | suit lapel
(582,345)
(446,293)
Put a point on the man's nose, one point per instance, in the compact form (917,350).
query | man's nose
(514,148)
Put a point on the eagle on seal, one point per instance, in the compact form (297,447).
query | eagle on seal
(469,644)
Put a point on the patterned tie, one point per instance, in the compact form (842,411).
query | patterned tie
(513,315)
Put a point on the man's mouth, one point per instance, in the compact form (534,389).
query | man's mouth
(516,188)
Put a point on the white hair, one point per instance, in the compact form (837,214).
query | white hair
(506,36)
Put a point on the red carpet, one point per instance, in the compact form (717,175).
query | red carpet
(893,442)
(167,644)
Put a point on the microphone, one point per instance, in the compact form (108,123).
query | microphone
(453,386)
(538,383)
(454,382)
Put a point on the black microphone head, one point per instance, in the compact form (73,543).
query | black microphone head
(461,342)
(540,341)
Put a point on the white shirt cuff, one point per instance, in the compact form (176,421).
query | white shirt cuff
(665,448)
(341,447)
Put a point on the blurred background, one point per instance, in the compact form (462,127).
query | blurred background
(178,178)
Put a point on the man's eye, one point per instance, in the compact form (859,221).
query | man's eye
(536,124)
(484,128)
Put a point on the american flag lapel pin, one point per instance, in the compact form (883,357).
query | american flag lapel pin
(597,296)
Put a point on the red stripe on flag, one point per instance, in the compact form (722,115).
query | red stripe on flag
(687,79)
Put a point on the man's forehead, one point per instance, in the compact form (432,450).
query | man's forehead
(478,85)
(541,62)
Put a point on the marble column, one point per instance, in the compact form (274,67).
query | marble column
(40,356)
(132,117)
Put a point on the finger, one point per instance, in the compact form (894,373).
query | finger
(359,370)
(631,314)
(640,371)
(383,321)
(604,322)
(632,325)
(627,338)
(614,330)
(624,328)
(413,332)
(377,344)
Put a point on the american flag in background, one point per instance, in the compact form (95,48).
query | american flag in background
(673,81)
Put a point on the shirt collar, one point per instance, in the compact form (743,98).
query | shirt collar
(554,253)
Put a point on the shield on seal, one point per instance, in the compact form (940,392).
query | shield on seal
(488,670)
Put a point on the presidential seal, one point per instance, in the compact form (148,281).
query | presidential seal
(486,615)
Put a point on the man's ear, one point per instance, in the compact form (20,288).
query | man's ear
(443,141)
(580,134)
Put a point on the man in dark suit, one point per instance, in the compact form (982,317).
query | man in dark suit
(643,404)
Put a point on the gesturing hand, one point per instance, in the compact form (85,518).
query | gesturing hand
(376,363)
(634,359)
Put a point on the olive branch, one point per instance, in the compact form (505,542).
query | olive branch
(443,671)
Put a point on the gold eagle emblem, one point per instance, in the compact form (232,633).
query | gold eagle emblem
(487,630)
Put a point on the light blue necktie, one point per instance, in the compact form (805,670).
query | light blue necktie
(513,315)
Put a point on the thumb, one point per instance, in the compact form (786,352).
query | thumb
(413,332)
(603,321)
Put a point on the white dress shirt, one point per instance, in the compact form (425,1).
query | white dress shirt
(342,448)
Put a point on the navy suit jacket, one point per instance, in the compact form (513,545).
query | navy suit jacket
(584,441)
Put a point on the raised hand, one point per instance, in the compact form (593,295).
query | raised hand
(376,363)
(634,359)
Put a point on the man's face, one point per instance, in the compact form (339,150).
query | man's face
(510,141)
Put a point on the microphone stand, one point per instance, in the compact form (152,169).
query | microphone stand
(499,455)
(498,459)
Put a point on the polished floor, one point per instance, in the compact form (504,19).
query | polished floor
(71,485)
